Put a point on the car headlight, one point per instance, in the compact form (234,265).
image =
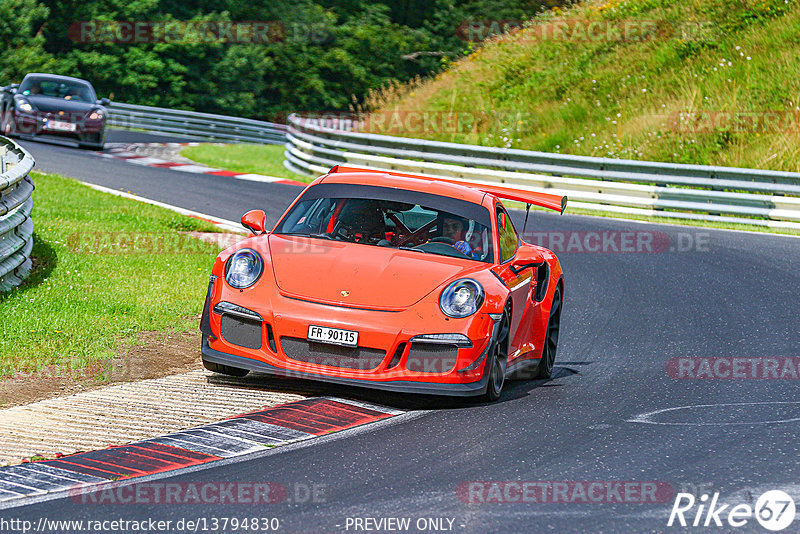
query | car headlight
(243,268)
(461,299)
(25,106)
(96,114)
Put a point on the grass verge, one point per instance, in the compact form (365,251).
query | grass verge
(257,159)
(106,269)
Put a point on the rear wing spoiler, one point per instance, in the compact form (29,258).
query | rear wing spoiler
(544,200)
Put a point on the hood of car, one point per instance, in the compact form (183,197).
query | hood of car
(47,104)
(358,275)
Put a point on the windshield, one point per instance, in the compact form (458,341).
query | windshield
(394,218)
(55,88)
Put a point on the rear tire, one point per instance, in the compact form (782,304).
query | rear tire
(497,359)
(546,364)
(224,369)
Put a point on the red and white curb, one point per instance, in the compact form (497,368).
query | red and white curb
(125,153)
(241,435)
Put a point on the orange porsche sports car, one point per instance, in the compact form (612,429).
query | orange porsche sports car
(391,281)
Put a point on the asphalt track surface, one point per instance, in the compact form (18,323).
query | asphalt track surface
(625,316)
(228,198)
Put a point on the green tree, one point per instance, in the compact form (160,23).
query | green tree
(22,41)
(328,55)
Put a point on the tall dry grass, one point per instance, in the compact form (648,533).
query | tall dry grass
(702,61)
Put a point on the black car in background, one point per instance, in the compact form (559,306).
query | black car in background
(48,104)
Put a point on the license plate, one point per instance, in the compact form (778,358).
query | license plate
(61,126)
(334,336)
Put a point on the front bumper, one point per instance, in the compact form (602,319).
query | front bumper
(388,356)
(400,386)
(36,123)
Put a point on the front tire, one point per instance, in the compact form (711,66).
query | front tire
(497,360)
(93,142)
(224,369)
(546,364)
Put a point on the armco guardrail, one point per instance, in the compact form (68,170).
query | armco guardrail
(723,194)
(195,125)
(16,226)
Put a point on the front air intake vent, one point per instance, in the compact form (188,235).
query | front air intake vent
(431,358)
(303,350)
(243,332)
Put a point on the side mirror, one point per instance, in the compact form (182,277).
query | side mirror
(104,101)
(526,257)
(255,221)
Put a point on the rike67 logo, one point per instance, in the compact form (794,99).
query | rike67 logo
(774,510)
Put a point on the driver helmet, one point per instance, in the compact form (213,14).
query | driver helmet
(453,227)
